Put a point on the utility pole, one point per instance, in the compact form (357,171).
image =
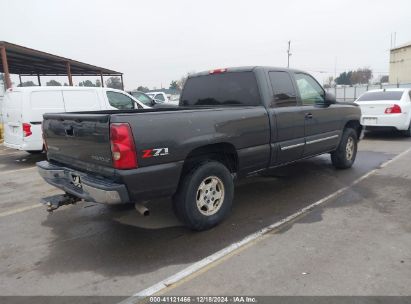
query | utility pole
(288,53)
(335,67)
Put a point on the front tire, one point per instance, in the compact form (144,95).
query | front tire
(344,156)
(205,195)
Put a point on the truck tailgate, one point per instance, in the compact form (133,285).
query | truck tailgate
(81,141)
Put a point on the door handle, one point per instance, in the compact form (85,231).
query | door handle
(308,115)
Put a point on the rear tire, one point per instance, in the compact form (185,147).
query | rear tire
(205,195)
(344,156)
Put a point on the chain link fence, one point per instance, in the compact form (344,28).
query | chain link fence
(351,93)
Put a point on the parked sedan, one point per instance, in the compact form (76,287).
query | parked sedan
(143,98)
(386,109)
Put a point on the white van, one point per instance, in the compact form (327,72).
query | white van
(23,110)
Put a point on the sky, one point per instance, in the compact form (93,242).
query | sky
(156,41)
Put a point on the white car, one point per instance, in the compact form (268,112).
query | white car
(161,97)
(23,110)
(386,109)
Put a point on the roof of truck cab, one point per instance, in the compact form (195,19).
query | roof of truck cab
(244,69)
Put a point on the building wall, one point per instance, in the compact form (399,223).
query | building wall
(400,65)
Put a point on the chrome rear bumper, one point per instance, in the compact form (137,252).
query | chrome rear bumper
(82,185)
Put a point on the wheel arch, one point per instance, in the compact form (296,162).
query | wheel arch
(354,124)
(222,152)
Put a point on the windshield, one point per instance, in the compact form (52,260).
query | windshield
(383,95)
(143,98)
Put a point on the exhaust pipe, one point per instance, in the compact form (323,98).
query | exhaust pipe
(142,209)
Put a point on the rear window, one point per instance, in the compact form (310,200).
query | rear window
(387,95)
(225,89)
(143,98)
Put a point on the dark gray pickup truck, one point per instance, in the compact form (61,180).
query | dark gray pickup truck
(231,123)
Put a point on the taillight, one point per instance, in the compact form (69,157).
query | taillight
(395,109)
(122,146)
(27,129)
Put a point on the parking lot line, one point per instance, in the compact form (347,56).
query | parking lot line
(18,210)
(211,260)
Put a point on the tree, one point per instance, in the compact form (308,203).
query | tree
(344,78)
(86,83)
(98,83)
(384,79)
(27,84)
(329,82)
(142,89)
(361,76)
(174,85)
(114,83)
(53,83)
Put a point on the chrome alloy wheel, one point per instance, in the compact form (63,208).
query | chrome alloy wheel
(210,195)
(349,148)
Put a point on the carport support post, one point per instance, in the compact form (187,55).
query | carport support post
(5,67)
(38,80)
(122,83)
(70,78)
(20,79)
(102,80)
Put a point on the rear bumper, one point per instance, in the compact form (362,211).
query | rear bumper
(12,146)
(93,190)
(397,121)
(25,146)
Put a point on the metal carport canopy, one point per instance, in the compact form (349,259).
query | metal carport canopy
(24,61)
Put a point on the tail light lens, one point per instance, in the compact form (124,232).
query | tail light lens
(27,130)
(395,109)
(122,146)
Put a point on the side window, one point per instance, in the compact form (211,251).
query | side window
(409,93)
(283,90)
(120,101)
(159,97)
(310,91)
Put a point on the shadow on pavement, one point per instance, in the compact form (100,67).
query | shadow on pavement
(385,135)
(19,159)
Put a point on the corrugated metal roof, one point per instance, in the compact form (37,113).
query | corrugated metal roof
(26,61)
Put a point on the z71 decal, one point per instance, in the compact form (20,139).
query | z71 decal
(155,152)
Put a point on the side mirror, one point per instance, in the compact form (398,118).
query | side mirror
(153,102)
(329,99)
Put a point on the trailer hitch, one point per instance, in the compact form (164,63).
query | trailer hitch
(56,201)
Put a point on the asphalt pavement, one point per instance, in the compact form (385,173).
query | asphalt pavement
(356,243)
